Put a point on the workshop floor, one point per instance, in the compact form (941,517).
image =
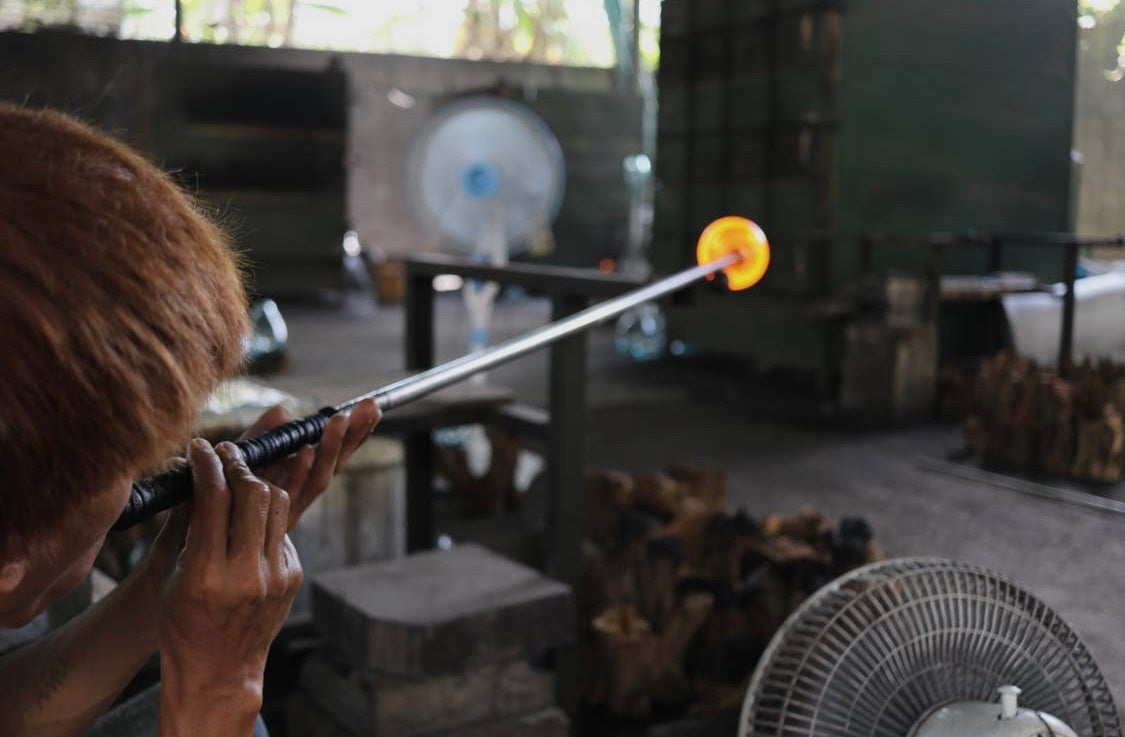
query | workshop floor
(777,454)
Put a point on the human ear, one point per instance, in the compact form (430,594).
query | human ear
(12,573)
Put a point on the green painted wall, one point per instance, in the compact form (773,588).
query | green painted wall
(956,114)
(896,116)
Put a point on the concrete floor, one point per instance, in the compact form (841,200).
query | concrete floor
(777,454)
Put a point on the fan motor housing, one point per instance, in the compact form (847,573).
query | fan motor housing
(979,719)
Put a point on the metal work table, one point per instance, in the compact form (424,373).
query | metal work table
(994,244)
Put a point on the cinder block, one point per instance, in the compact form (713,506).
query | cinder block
(441,612)
(361,518)
(376,705)
(305,719)
(547,723)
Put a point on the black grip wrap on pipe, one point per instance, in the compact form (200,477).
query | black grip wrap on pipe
(171,488)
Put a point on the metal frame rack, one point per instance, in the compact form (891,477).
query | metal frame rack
(994,245)
(557,431)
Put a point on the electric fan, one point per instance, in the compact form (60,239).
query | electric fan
(486,176)
(926,648)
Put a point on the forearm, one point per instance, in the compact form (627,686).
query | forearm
(189,708)
(60,685)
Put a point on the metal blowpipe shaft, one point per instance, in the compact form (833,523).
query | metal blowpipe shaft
(427,382)
(164,491)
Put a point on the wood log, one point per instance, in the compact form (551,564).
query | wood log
(709,487)
(642,666)
(690,594)
(654,577)
(625,646)
(607,496)
(808,525)
(765,599)
(1100,454)
(492,492)
(1027,417)
(690,525)
(783,550)
(1058,441)
(658,493)
(671,683)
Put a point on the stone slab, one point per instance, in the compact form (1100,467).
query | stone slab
(381,706)
(361,518)
(305,719)
(441,612)
(547,723)
(706,725)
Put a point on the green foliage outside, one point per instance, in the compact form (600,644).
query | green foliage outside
(1102,36)
(573,32)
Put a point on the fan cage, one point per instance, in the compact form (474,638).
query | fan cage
(877,650)
(458,226)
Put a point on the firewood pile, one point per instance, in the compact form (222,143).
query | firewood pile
(1028,417)
(681,595)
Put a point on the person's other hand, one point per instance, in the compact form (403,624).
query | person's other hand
(307,473)
(228,594)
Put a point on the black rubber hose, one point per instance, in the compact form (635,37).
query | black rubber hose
(168,489)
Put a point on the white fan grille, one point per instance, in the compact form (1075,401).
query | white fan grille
(519,162)
(873,652)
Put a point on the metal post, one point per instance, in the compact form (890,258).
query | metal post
(418,446)
(995,254)
(567,406)
(866,255)
(936,267)
(565,462)
(1066,343)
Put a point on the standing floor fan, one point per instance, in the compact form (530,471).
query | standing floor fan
(486,179)
(926,648)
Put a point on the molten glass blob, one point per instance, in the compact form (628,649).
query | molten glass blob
(733,234)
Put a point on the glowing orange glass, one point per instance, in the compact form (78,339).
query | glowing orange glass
(733,234)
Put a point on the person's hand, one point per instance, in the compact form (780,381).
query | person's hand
(226,597)
(307,473)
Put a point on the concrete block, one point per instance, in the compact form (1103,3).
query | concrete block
(547,723)
(378,705)
(889,372)
(361,518)
(441,612)
(305,719)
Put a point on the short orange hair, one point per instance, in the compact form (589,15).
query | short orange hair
(121,307)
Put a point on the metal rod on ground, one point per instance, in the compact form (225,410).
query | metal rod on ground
(158,493)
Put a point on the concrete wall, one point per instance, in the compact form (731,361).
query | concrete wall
(113,83)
